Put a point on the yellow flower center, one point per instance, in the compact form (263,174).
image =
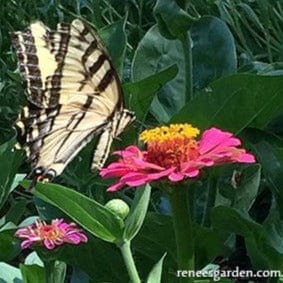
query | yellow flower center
(164,133)
(170,146)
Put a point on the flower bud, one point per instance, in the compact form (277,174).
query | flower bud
(118,207)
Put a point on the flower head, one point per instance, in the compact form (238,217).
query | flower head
(174,153)
(51,235)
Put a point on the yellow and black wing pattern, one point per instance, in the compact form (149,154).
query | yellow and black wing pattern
(73,92)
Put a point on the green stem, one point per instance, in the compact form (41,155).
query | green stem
(212,189)
(129,262)
(49,267)
(187,50)
(183,229)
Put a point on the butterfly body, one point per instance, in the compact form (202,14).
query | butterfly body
(74,94)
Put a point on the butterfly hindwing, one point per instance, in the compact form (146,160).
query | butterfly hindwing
(113,129)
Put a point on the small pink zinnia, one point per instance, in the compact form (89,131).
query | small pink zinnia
(51,235)
(174,153)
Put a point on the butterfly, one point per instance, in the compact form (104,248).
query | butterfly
(73,92)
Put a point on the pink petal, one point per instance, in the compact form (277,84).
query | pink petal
(143,164)
(161,174)
(116,187)
(25,244)
(75,239)
(113,172)
(49,244)
(192,173)
(215,137)
(246,158)
(176,176)
(129,151)
(135,179)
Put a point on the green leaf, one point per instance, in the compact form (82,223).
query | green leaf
(33,258)
(10,161)
(208,246)
(155,274)
(143,91)
(16,211)
(91,215)
(156,237)
(151,50)
(214,51)
(9,273)
(269,151)
(9,245)
(114,37)
(18,178)
(246,192)
(240,186)
(263,255)
(32,273)
(211,60)
(235,103)
(273,226)
(172,20)
(137,212)
(99,259)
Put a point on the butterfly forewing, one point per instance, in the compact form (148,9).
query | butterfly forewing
(36,62)
(74,94)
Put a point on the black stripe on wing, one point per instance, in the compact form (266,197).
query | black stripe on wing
(28,64)
(53,84)
(32,127)
(93,68)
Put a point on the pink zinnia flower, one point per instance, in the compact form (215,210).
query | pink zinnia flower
(51,235)
(174,153)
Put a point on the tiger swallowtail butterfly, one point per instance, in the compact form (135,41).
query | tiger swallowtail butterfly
(74,94)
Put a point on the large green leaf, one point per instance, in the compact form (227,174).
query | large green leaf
(261,251)
(91,215)
(235,103)
(213,56)
(241,188)
(247,189)
(16,211)
(143,91)
(98,259)
(273,226)
(137,212)
(9,163)
(208,245)
(172,20)
(269,151)
(114,37)
(9,245)
(156,238)
(214,51)
(151,50)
